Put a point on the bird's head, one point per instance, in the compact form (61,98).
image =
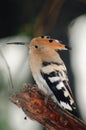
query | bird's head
(45,43)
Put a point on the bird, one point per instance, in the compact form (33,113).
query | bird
(49,71)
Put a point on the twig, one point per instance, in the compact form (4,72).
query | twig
(50,115)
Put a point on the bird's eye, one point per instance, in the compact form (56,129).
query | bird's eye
(36,46)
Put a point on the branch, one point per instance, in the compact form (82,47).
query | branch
(40,107)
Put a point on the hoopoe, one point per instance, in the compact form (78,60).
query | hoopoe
(49,71)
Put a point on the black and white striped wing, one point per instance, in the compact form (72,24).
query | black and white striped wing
(57,81)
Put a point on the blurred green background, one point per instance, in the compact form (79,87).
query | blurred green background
(21,20)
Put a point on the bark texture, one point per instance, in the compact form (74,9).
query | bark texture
(38,106)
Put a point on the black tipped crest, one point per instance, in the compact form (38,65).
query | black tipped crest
(42,36)
(45,37)
(50,40)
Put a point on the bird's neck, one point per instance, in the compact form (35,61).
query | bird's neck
(37,60)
